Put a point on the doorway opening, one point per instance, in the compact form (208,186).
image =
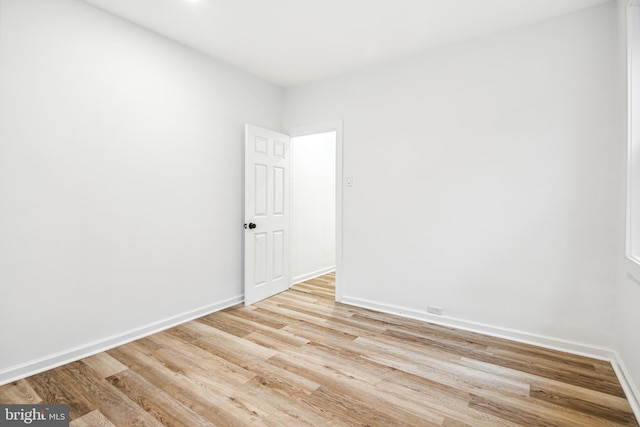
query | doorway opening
(316,203)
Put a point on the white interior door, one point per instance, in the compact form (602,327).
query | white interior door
(267,214)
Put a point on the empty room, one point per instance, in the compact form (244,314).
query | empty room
(309,213)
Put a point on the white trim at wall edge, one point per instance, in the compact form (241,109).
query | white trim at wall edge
(313,275)
(626,381)
(567,346)
(32,367)
(596,352)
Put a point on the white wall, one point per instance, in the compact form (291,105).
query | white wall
(627,308)
(486,179)
(313,205)
(121,168)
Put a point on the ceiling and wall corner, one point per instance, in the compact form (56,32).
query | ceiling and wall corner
(288,42)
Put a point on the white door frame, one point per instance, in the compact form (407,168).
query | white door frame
(322,128)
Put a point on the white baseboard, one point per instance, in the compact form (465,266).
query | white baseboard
(630,388)
(314,274)
(51,361)
(596,352)
(23,370)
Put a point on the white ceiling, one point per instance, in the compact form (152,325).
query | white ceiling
(289,42)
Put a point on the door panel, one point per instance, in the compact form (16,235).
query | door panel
(278,254)
(267,200)
(278,191)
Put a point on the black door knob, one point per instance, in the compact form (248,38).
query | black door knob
(251,226)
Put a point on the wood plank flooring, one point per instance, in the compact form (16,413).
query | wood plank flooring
(300,359)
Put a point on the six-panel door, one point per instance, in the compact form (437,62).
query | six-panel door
(267,175)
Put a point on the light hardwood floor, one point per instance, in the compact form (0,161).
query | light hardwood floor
(300,359)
